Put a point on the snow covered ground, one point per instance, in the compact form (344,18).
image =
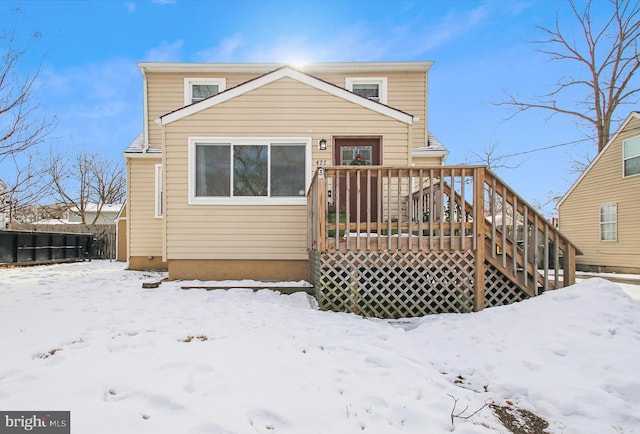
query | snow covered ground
(88,338)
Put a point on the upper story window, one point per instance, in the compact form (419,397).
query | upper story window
(374,88)
(631,156)
(609,222)
(197,89)
(252,171)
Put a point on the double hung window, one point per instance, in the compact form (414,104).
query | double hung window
(631,156)
(609,222)
(197,89)
(373,88)
(253,170)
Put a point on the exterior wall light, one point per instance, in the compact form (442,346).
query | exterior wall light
(322,144)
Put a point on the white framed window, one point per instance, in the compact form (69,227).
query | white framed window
(249,170)
(159,201)
(374,88)
(609,222)
(631,157)
(197,89)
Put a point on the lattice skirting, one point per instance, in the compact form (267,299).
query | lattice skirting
(498,289)
(404,284)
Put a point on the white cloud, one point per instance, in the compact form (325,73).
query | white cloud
(163,2)
(165,52)
(226,50)
(451,26)
(356,43)
(363,41)
(99,104)
(131,7)
(382,39)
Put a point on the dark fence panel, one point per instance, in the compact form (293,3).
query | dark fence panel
(27,247)
(104,236)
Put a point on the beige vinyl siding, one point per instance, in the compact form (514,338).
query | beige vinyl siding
(145,231)
(405,91)
(165,93)
(604,184)
(262,232)
(427,161)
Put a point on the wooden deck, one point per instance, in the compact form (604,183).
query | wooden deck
(409,241)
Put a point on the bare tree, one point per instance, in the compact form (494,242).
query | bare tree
(23,183)
(487,157)
(22,126)
(608,58)
(86,182)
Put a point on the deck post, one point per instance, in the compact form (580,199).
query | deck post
(569,265)
(478,201)
(321,211)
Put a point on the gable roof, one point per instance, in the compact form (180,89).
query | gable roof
(277,74)
(632,115)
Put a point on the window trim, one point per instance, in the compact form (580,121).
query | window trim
(190,81)
(614,222)
(624,159)
(159,189)
(380,81)
(246,200)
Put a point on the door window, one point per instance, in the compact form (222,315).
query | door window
(356,155)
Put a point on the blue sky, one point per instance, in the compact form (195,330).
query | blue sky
(88,50)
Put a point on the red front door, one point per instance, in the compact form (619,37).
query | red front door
(358,151)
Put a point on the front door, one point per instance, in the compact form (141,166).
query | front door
(358,151)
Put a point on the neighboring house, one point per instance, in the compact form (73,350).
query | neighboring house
(601,211)
(326,173)
(108,214)
(54,222)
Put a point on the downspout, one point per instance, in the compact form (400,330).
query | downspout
(145,112)
(163,135)
(426,108)
(127,162)
(410,141)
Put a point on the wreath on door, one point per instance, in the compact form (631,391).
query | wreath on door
(358,161)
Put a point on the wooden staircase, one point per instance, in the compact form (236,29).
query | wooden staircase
(428,240)
(530,251)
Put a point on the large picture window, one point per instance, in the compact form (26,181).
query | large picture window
(248,171)
(631,156)
(609,222)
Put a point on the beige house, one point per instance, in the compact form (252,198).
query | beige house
(326,173)
(601,211)
(288,122)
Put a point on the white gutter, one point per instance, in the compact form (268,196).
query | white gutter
(263,68)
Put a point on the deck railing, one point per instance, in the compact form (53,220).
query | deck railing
(436,209)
